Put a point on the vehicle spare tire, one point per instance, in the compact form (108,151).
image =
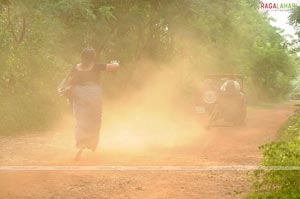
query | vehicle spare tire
(209,97)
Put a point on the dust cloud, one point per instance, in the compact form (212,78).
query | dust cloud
(159,115)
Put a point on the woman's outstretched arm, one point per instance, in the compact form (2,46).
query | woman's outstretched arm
(112,66)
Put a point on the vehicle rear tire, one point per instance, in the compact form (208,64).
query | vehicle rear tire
(243,113)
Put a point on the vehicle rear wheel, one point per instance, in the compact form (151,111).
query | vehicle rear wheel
(234,111)
(243,114)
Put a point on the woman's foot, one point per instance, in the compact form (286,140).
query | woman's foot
(78,155)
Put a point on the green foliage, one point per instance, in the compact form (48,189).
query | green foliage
(284,152)
(41,40)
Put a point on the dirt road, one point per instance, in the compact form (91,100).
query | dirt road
(219,146)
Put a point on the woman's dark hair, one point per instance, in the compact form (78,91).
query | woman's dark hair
(88,56)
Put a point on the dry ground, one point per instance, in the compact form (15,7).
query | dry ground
(218,146)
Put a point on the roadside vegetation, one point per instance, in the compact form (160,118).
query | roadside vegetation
(283,152)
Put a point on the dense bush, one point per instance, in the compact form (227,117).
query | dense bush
(283,152)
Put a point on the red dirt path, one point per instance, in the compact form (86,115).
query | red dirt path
(219,146)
